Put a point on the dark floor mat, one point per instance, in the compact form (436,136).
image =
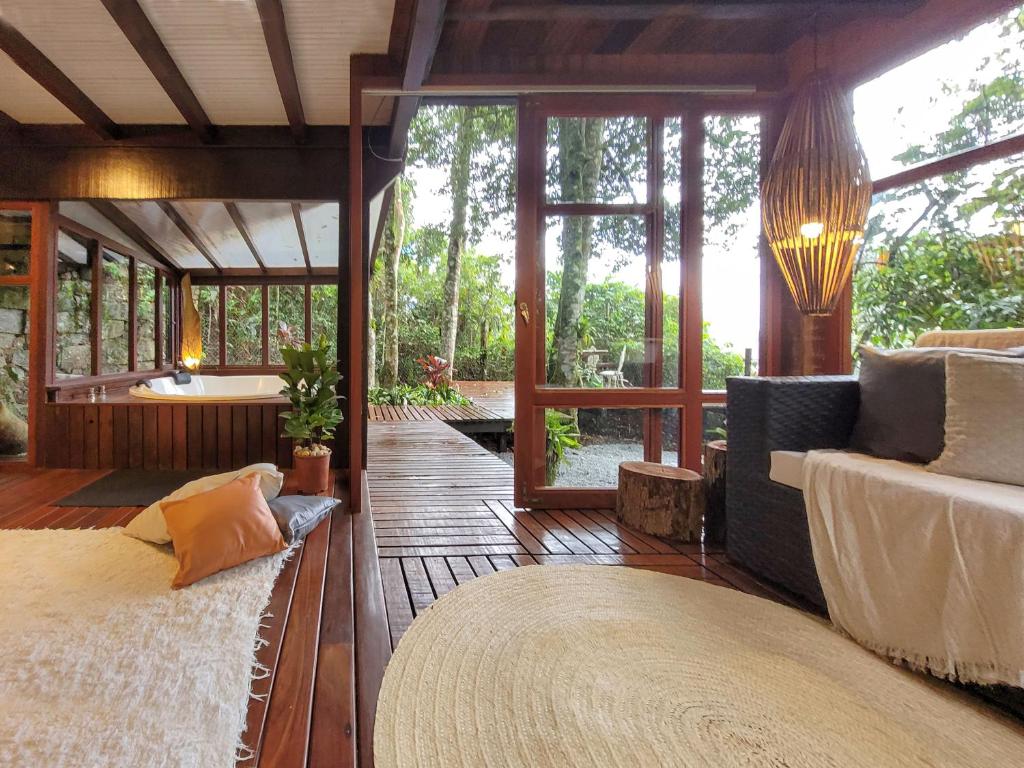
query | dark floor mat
(130,488)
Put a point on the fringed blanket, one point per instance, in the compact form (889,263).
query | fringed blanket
(923,568)
(105,665)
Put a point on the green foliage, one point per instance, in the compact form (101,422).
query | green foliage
(916,277)
(936,282)
(562,432)
(310,380)
(421,394)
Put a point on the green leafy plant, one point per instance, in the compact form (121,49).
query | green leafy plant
(561,433)
(310,379)
(403,394)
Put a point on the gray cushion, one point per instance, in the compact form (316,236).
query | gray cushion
(903,401)
(298,515)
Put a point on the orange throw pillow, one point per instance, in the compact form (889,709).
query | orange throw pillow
(220,529)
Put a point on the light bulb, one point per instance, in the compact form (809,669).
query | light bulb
(190,363)
(812,230)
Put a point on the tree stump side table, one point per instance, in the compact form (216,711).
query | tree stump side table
(715,524)
(660,500)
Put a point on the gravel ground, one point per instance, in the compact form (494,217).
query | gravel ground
(597,465)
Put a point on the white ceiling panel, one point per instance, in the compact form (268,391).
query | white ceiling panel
(155,223)
(212,224)
(272,226)
(321,227)
(220,49)
(25,100)
(323,34)
(71,249)
(84,42)
(89,217)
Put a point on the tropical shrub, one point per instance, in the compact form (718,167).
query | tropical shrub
(310,379)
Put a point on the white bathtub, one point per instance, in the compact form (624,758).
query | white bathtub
(211,388)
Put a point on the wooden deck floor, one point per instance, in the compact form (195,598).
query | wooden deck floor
(443,514)
(493,401)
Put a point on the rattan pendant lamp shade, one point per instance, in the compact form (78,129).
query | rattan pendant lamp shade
(191,330)
(815,197)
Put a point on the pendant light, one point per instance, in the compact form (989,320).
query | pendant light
(816,195)
(191,333)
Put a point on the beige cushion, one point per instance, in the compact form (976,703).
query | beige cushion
(787,468)
(984,419)
(998,338)
(149,524)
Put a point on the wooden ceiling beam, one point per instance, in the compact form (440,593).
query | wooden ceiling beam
(275,32)
(297,215)
(32,61)
(135,25)
(172,213)
(123,222)
(726,10)
(243,230)
(427,24)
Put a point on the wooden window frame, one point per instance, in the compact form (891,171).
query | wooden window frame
(689,397)
(96,243)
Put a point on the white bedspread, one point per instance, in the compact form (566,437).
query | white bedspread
(924,568)
(105,665)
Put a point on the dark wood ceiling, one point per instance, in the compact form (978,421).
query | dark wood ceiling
(494,28)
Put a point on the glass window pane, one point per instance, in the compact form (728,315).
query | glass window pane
(114,309)
(325,316)
(287,318)
(597,160)
(731,267)
(670,436)
(964,94)
(946,253)
(170,353)
(15,241)
(671,270)
(244,312)
(14,330)
(596,274)
(74,309)
(145,312)
(207,299)
(586,446)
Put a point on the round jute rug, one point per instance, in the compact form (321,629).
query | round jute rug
(552,667)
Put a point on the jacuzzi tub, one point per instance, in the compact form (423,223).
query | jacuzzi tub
(211,388)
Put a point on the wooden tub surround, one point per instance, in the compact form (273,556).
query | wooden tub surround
(128,432)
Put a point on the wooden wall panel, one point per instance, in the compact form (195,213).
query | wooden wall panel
(120,436)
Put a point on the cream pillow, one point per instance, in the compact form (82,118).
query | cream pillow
(984,420)
(149,524)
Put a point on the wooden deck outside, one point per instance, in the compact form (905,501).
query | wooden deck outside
(493,401)
(443,514)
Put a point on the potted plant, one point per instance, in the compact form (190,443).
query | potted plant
(310,380)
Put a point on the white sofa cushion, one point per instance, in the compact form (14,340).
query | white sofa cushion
(787,468)
(984,420)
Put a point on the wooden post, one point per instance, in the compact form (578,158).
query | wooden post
(661,500)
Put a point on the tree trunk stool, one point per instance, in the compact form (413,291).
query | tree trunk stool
(715,525)
(660,500)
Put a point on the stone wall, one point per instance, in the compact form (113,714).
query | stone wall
(14,347)
(74,301)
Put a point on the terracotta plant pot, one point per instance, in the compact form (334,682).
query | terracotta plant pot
(311,475)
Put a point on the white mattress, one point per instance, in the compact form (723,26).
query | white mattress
(787,468)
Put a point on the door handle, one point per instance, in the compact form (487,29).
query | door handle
(524,310)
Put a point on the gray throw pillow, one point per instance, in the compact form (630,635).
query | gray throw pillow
(903,401)
(298,515)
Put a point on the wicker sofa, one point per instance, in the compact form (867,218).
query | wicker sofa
(767,521)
